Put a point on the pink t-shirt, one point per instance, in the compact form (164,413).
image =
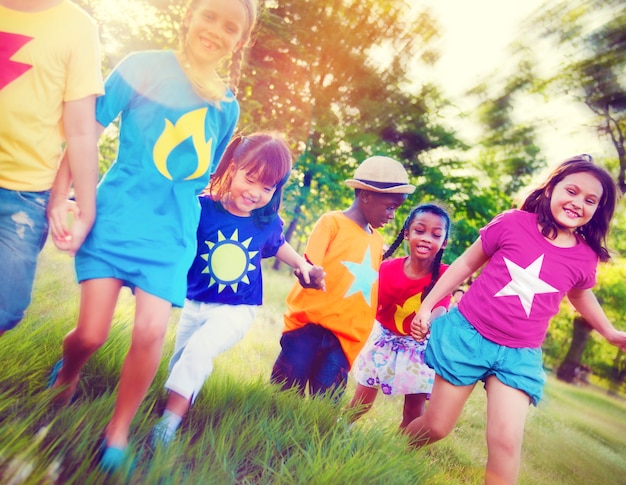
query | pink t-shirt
(521,287)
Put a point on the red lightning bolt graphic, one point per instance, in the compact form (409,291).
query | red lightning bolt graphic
(9,45)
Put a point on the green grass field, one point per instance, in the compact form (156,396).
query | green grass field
(241,431)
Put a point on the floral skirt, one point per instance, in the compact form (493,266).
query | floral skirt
(395,363)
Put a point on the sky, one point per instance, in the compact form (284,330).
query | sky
(476,34)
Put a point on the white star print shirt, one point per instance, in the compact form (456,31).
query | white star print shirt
(520,289)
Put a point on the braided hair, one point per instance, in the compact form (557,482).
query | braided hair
(428,208)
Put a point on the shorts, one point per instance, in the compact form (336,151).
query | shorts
(23,232)
(311,354)
(394,363)
(462,356)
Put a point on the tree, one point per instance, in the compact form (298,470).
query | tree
(593,34)
(509,154)
(611,292)
(317,73)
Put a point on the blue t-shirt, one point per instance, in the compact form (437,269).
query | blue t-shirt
(227,266)
(170,142)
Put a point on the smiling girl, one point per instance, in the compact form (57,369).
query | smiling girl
(392,360)
(177,117)
(533,258)
(239,226)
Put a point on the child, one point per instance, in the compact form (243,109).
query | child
(535,256)
(49,80)
(324,332)
(391,359)
(239,225)
(177,118)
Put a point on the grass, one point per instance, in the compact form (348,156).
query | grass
(241,431)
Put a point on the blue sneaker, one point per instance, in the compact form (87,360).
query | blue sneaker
(161,435)
(111,459)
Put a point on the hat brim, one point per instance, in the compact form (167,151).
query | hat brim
(397,189)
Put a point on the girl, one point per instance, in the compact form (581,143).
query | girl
(535,256)
(177,118)
(392,360)
(239,225)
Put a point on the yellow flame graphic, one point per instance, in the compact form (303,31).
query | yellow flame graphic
(411,305)
(189,125)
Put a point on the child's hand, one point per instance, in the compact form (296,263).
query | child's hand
(59,207)
(311,277)
(64,237)
(618,339)
(420,326)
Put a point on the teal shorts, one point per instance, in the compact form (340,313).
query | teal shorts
(462,356)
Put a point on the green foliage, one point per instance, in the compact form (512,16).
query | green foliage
(592,36)
(509,154)
(599,354)
(312,73)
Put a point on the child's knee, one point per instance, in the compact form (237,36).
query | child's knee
(149,334)
(505,444)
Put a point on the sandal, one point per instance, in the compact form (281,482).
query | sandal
(54,375)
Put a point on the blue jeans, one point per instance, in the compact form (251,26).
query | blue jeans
(23,232)
(311,354)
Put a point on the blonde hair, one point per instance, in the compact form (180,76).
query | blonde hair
(206,89)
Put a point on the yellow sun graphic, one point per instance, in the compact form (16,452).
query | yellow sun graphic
(229,261)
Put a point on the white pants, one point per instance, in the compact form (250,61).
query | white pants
(204,331)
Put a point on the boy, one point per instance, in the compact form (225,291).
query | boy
(324,331)
(49,79)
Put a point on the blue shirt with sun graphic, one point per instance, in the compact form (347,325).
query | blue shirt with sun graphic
(227,267)
(170,141)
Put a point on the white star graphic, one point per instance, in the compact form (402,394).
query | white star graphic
(525,283)
(364,277)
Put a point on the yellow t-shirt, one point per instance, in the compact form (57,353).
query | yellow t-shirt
(46,58)
(351,258)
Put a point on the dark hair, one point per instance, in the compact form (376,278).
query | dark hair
(265,155)
(234,69)
(596,230)
(427,208)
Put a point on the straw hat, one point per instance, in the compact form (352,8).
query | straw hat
(381,174)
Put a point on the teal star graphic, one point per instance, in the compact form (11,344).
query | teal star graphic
(364,277)
(525,283)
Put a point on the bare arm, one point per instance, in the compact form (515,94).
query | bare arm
(79,165)
(462,268)
(310,276)
(588,306)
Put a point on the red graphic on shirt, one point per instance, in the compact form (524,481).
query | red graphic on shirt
(9,45)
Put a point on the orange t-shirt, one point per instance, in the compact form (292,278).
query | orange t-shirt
(351,258)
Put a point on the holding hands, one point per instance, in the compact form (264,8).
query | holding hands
(66,237)
(420,326)
(311,276)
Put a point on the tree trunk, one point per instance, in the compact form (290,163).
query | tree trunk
(580,335)
(618,373)
(289,233)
